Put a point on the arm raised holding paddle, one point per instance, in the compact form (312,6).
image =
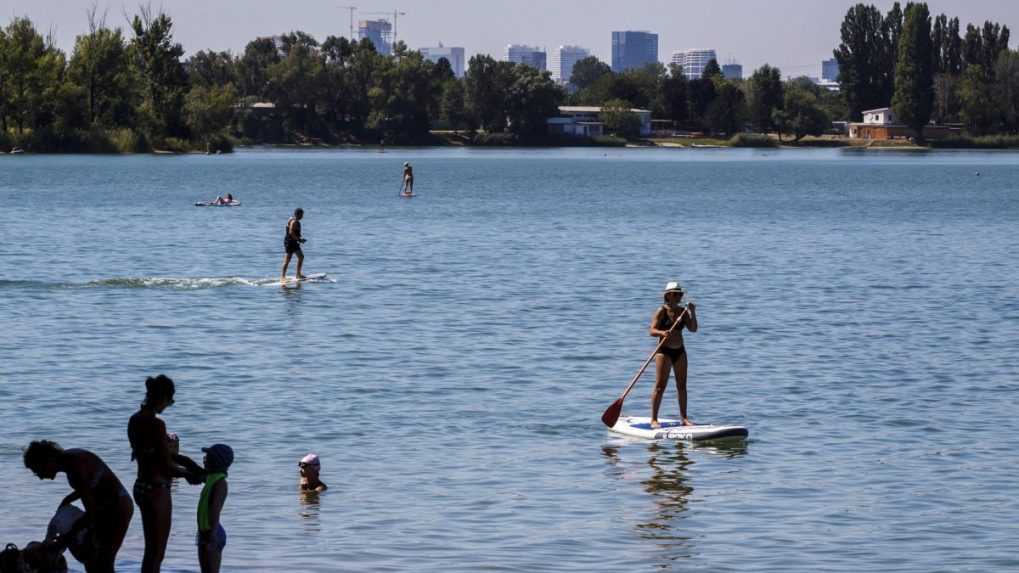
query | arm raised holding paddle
(666,331)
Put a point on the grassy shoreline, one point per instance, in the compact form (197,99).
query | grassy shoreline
(126,142)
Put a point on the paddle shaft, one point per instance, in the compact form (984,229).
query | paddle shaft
(665,338)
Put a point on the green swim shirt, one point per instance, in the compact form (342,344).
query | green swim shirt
(203,501)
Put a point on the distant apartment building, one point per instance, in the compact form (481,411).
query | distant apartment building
(527,55)
(633,49)
(380,32)
(563,60)
(694,62)
(830,70)
(455,56)
(732,71)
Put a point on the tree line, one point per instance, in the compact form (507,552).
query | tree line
(132,89)
(926,68)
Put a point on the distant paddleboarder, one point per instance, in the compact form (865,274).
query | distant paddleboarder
(408,179)
(292,242)
(672,355)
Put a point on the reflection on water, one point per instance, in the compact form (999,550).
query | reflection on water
(310,512)
(670,486)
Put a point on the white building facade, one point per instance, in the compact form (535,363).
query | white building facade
(454,55)
(693,61)
(563,60)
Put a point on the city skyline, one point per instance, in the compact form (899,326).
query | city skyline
(794,35)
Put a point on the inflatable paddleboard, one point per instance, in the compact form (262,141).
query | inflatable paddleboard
(211,204)
(640,427)
(406,195)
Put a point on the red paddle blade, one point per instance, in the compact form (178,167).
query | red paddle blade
(611,415)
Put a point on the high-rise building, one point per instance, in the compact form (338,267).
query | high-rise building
(633,49)
(527,55)
(830,70)
(563,61)
(455,56)
(732,71)
(380,32)
(694,62)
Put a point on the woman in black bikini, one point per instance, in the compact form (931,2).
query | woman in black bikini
(108,507)
(157,466)
(672,355)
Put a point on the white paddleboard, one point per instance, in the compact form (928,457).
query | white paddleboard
(640,427)
(234,203)
(312,278)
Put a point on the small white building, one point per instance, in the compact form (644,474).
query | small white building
(879,116)
(585,121)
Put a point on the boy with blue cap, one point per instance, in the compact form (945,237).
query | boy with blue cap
(211,537)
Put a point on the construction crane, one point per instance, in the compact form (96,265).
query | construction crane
(395,14)
(352,9)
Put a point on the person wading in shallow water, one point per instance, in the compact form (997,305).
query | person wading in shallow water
(108,507)
(157,466)
(672,356)
(292,242)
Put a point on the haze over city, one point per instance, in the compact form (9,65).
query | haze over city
(794,35)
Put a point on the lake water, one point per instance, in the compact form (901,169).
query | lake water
(859,312)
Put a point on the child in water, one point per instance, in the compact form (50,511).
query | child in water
(211,537)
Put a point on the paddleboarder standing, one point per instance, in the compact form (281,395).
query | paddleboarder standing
(292,241)
(671,356)
(408,179)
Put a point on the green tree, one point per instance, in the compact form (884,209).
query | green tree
(485,87)
(712,70)
(977,99)
(728,111)
(618,119)
(946,98)
(402,98)
(701,94)
(100,66)
(208,68)
(800,114)
(532,98)
(766,95)
(209,110)
(588,71)
(31,77)
(453,107)
(861,56)
(157,59)
(253,67)
(297,83)
(914,75)
(674,95)
(1006,89)
(888,49)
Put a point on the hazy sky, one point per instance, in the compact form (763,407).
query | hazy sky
(791,34)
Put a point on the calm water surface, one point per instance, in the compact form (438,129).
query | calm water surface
(859,313)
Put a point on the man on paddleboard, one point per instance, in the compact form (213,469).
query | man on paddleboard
(292,241)
(408,179)
(672,355)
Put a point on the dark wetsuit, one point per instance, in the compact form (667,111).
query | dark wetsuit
(291,245)
(665,323)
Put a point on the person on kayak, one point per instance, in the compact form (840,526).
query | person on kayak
(292,241)
(672,355)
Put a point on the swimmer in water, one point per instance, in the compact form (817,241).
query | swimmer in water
(310,466)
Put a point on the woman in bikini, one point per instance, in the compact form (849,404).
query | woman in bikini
(157,466)
(108,507)
(672,355)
